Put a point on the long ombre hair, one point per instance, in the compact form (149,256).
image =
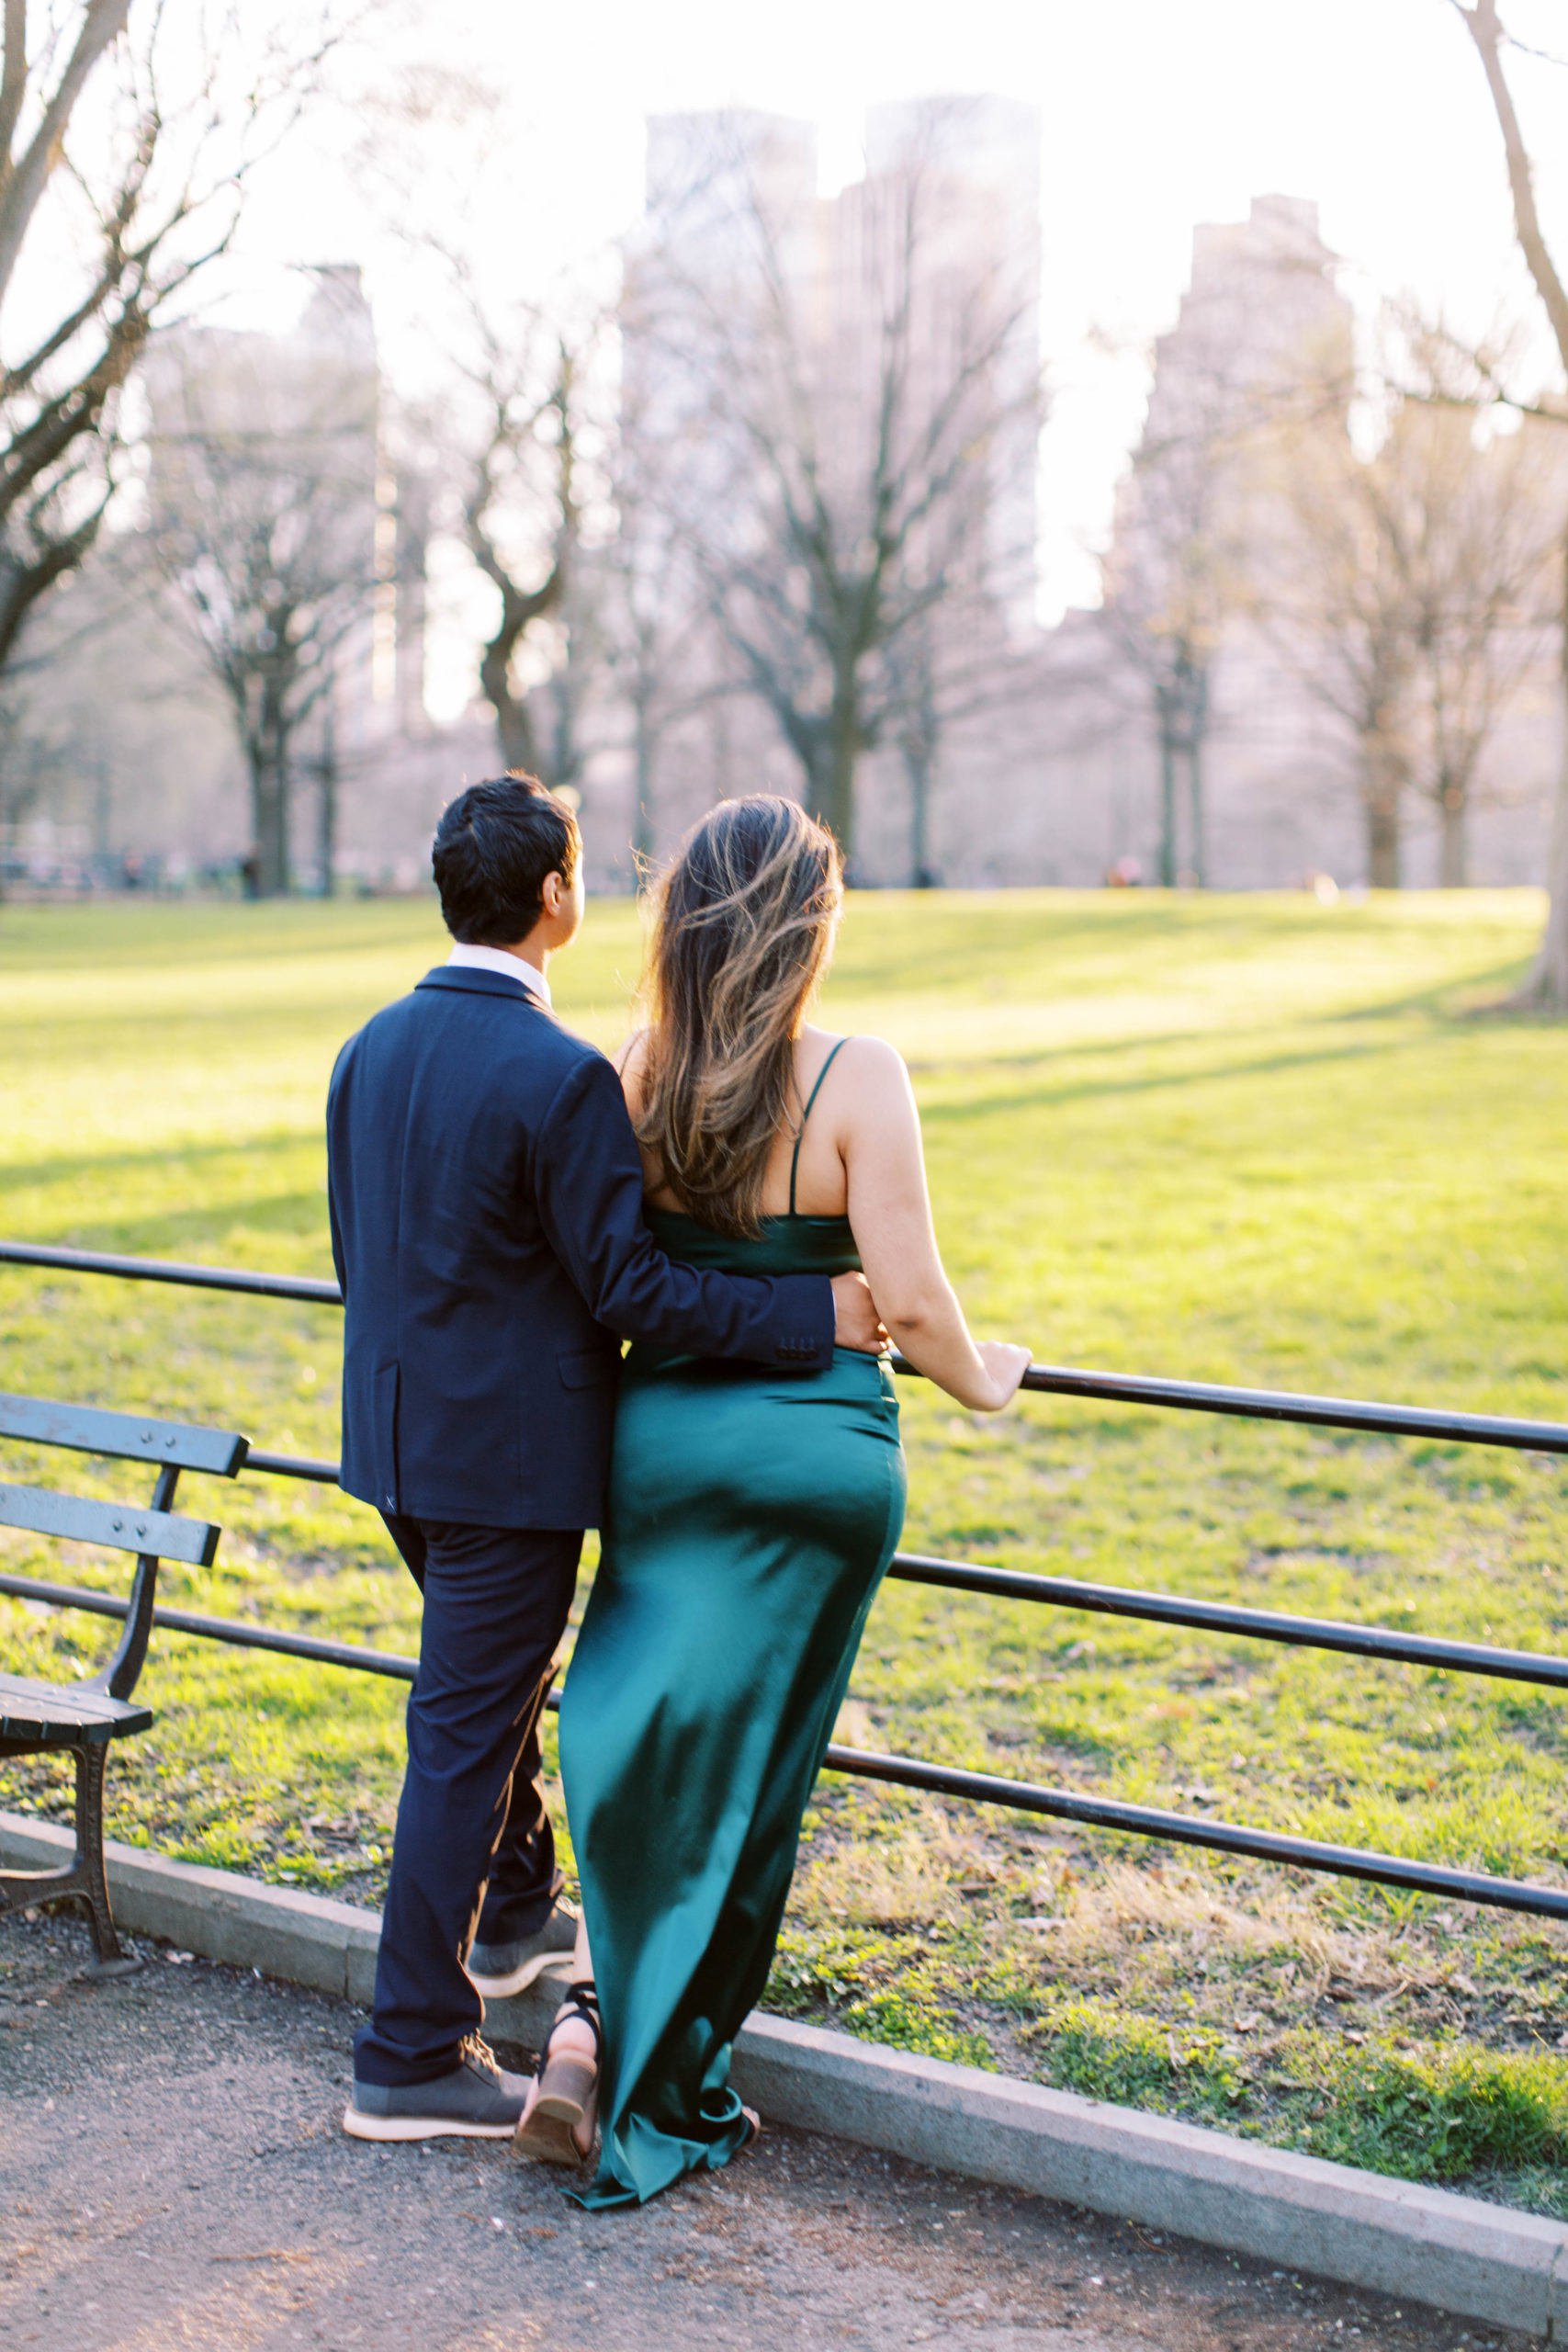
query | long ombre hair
(744,922)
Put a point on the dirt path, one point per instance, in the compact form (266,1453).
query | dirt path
(172,2175)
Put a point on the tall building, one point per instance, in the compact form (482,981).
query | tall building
(1216,622)
(982,156)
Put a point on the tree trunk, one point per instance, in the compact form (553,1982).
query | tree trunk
(642,815)
(269,798)
(1197,722)
(1545,986)
(1167,807)
(1195,804)
(103,812)
(513,719)
(1546,990)
(918,768)
(835,781)
(326,803)
(1382,797)
(1453,870)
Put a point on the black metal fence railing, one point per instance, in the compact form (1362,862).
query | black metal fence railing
(1056,1380)
(1065,1592)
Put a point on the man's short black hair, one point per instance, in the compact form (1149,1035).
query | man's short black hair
(494,846)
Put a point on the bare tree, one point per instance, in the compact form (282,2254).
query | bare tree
(521,510)
(520,384)
(649,607)
(263,491)
(1261,348)
(1547,983)
(643,649)
(1340,613)
(1479,571)
(948,668)
(837,447)
(140,181)
(1408,599)
(1173,577)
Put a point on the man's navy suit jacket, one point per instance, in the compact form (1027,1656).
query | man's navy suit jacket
(486,1194)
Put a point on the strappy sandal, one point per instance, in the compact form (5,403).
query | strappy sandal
(567,2080)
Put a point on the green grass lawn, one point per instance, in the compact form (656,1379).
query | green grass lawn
(1245,1139)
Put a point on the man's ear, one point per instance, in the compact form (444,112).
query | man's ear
(552,892)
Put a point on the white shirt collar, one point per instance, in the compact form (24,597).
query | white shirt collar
(500,959)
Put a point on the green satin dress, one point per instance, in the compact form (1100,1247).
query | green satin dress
(752,1514)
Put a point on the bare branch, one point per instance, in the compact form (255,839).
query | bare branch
(14,76)
(1482,23)
(22,183)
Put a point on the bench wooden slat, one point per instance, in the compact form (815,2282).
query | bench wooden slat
(132,1436)
(122,1527)
(56,1711)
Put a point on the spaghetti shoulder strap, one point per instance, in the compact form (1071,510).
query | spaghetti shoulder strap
(795,1162)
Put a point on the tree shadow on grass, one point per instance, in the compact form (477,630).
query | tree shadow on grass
(1052,1095)
(1437,999)
(292,1215)
(17,1175)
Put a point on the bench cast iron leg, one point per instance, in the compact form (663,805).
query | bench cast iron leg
(85,1875)
(111,1958)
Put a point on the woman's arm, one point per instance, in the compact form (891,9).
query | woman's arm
(889,1210)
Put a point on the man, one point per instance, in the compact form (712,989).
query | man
(486,1194)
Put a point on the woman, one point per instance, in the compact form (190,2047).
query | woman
(753,1512)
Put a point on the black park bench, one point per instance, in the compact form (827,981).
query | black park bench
(83,1717)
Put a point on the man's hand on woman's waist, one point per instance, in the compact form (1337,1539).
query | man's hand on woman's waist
(857,1324)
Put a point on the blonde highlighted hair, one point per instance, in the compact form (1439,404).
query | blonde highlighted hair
(744,921)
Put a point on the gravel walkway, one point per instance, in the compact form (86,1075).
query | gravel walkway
(172,2175)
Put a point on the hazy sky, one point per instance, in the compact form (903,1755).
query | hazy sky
(1155,114)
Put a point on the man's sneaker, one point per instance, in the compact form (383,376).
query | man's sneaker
(476,2101)
(496,1970)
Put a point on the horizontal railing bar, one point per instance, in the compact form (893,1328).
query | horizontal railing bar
(233,1630)
(1221,1617)
(1222,1836)
(171,1270)
(296,1466)
(908,1771)
(1059,1380)
(1286,1405)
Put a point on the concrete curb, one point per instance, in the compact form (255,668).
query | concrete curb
(1453,2253)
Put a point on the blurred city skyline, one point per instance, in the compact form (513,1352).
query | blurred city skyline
(1153,121)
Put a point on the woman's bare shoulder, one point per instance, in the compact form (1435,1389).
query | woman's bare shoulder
(631,1066)
(631,1061)
(871,1061)
(867,1082)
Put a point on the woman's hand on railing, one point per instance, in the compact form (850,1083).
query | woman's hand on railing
(1005,1364)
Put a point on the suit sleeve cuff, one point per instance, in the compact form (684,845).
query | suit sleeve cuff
(807,1320)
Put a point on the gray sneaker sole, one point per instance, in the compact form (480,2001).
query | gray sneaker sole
(517,1980)
(420,2127)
